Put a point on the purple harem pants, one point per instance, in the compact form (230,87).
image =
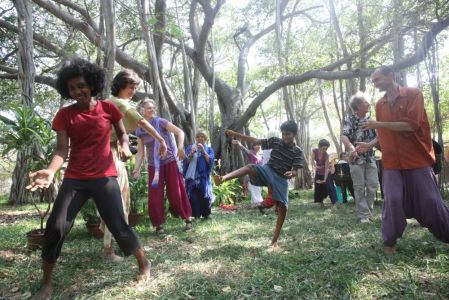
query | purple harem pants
(412,194)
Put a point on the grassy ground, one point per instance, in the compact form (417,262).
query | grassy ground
(325,254)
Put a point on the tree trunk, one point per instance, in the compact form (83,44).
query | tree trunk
(188,93)
(281,56)
(433,70)
(26,76)
(418,68)
(335,98)
(211,117)
(398,41)
(100,33)
(152,61)
(108,12)
(328,121)
(350,86)
(362,42)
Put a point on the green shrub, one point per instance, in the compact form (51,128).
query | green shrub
(138,189)
(228,192)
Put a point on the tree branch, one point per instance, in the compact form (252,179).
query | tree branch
(13,74)
(43,41)
(282,81)
(84,13)
(241,69)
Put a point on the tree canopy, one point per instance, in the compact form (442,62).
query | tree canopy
(245,65)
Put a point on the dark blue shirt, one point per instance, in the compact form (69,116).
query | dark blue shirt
(283,157)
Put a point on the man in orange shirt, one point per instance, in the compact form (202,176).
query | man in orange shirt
(407,154)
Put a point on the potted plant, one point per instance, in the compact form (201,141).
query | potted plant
(138,189)
(26,130)
(92,219)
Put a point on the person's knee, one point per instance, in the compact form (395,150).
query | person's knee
(371,189)
(56,229)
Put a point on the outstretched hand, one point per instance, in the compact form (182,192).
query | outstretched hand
(230,133)
(40,180)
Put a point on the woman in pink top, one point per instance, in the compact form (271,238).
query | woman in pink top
(324,184)
(255,158)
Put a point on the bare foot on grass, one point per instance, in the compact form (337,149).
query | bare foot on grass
(274,247)
(144,271)
(112,257)
(44,293)
(390,250)
(109,255)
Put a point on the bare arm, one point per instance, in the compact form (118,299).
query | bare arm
(394,126)
(179,138)
(125,153)
(326,168)
(139,158)
(236,142)
(349,147)
(43,178)
(153,132)
(246,138)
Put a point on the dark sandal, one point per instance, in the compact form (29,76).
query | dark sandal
(159,231)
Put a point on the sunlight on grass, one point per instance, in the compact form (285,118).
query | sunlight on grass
(324,253)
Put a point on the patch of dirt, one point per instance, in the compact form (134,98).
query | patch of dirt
(12,217)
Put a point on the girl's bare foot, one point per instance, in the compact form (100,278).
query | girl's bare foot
(45,292)
(144,271)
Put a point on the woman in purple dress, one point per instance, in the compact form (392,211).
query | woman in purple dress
(163,171)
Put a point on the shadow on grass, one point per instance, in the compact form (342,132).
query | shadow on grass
(324,254)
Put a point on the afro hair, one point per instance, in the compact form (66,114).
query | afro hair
(77,67)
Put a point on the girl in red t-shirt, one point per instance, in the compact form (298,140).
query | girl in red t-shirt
(90,173)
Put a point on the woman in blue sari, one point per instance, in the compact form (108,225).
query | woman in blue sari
(197,168)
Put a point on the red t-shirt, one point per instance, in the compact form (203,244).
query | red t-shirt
(90,155)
